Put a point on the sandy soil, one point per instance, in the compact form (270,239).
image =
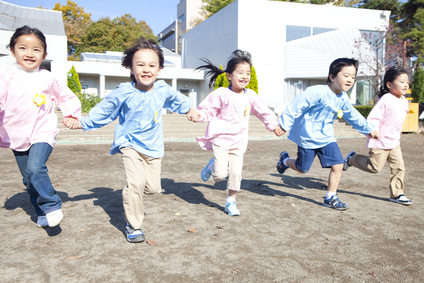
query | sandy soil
(284,234)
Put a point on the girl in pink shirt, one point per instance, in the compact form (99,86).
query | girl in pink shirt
(388,115)
(227,111)
(28,123)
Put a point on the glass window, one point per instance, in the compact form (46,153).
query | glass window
(297,32)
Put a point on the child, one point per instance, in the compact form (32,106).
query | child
(388,115)
(139,135)
(28,123)
(310,117)
(227,111)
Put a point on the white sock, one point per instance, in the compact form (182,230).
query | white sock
(231,199)
(330,194)
(285,162)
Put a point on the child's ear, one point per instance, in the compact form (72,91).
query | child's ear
(388,85)
(45,56)
(331,76)
(228,77)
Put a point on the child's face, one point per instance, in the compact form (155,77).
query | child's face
(240,77)
(29,51)
(344,79)
(399,86)
(145,68)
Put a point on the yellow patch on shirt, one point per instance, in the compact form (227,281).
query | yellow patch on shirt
(340,114)
(39,99)
(247,111)
(156,116)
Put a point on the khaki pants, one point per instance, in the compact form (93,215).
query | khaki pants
(374,163)
(228,163)
(143,176)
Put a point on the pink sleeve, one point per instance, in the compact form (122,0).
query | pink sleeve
(260,110)
(377,113)
(209,107)
(67,101)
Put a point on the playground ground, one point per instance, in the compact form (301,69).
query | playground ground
(284,233)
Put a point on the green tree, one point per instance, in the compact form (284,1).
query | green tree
(76,22)
(413,28)
(115,35)
(253,84)
(213,6)
(221,80)
(73,80)
(417,85)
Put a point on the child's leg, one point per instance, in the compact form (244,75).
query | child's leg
(153,170)
(220,166)
(373,163)
(397,172)
(235,167)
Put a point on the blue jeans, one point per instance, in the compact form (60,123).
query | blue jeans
(32,164)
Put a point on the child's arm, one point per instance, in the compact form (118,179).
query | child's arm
(72,123)
(278,131)
(66,100)
(193,115)
(374,135)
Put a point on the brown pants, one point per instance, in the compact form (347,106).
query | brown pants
(143,176)
(374,163)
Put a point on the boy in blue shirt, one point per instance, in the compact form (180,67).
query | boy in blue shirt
(309,120)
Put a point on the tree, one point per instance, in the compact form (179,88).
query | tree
(417,85)
(76,22)
(73,80)
(253,84)
(115,35)
(221,80)
(213,6)
(412,25)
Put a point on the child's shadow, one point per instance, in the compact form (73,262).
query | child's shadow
(187,192)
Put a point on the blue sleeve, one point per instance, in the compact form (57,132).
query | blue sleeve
(354,118)
(177,102)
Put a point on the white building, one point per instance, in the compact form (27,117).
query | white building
(292,44)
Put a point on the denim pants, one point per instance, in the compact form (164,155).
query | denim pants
(32,164)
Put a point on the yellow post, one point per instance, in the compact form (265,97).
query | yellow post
(411,120)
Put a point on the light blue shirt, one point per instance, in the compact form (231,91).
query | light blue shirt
(309,118)
(140,116)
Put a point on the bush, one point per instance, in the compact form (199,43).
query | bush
(88,101)
(364,109)
(417,86)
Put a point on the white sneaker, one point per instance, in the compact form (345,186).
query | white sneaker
(402,199)
(54,217)
(42,221)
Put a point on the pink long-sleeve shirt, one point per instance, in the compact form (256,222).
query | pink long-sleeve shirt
(388,116)
(227,114)
(27,107)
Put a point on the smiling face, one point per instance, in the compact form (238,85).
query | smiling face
(29,51)
(399,86)
(344,79)
(240,77)
(145,68)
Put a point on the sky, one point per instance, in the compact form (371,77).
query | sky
(158,14)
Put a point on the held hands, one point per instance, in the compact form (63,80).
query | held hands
(193,115)
(373,135)
(72,123)
(278,131)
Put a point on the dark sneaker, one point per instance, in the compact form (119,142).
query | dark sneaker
(346,163)
(402,199)
(134,235)
(281,168)
(335,203)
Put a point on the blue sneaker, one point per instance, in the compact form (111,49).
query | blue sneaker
(207,171)
(346,163)
(281,168)
(134,235)
(231,209)
(335,203)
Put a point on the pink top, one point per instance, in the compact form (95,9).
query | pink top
(228,115)
(27,109)
(388,116)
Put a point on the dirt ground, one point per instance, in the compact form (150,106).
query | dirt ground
(284,233)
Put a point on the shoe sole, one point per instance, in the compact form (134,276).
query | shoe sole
(232,214)
(400,202)
(206,167)
(345,165)
(336,208)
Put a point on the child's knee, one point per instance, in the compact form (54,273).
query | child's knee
(36,168)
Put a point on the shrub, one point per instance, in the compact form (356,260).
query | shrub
(364,109)
(417,86)
(88,101)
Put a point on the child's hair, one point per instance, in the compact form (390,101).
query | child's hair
(141,43)
(338,64)
(237,57)
(24,31)
(391,74)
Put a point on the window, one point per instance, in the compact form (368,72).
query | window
(181,18)
(297,32)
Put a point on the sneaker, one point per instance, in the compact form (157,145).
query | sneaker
(346,163)
(402,199)
(53,218)
(207,171)
(335,203)
(281,168)
(42,221)
(231,209)
(134,235)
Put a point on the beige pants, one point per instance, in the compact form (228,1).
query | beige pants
(143,176)
(374,163)
(228,163)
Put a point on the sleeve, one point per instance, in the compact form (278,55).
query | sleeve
(177,102)
(263,113)
(209,107)
(66,100)
(105,112)
(374,117)
(297,107)
(2,93)
(354,118)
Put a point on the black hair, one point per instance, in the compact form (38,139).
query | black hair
(391,74)
(338,64)
(141,43)
(24,31)
(237,57)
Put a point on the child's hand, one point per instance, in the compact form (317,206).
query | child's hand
(72,123)
(373,135)
(193,115)
(278,131)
